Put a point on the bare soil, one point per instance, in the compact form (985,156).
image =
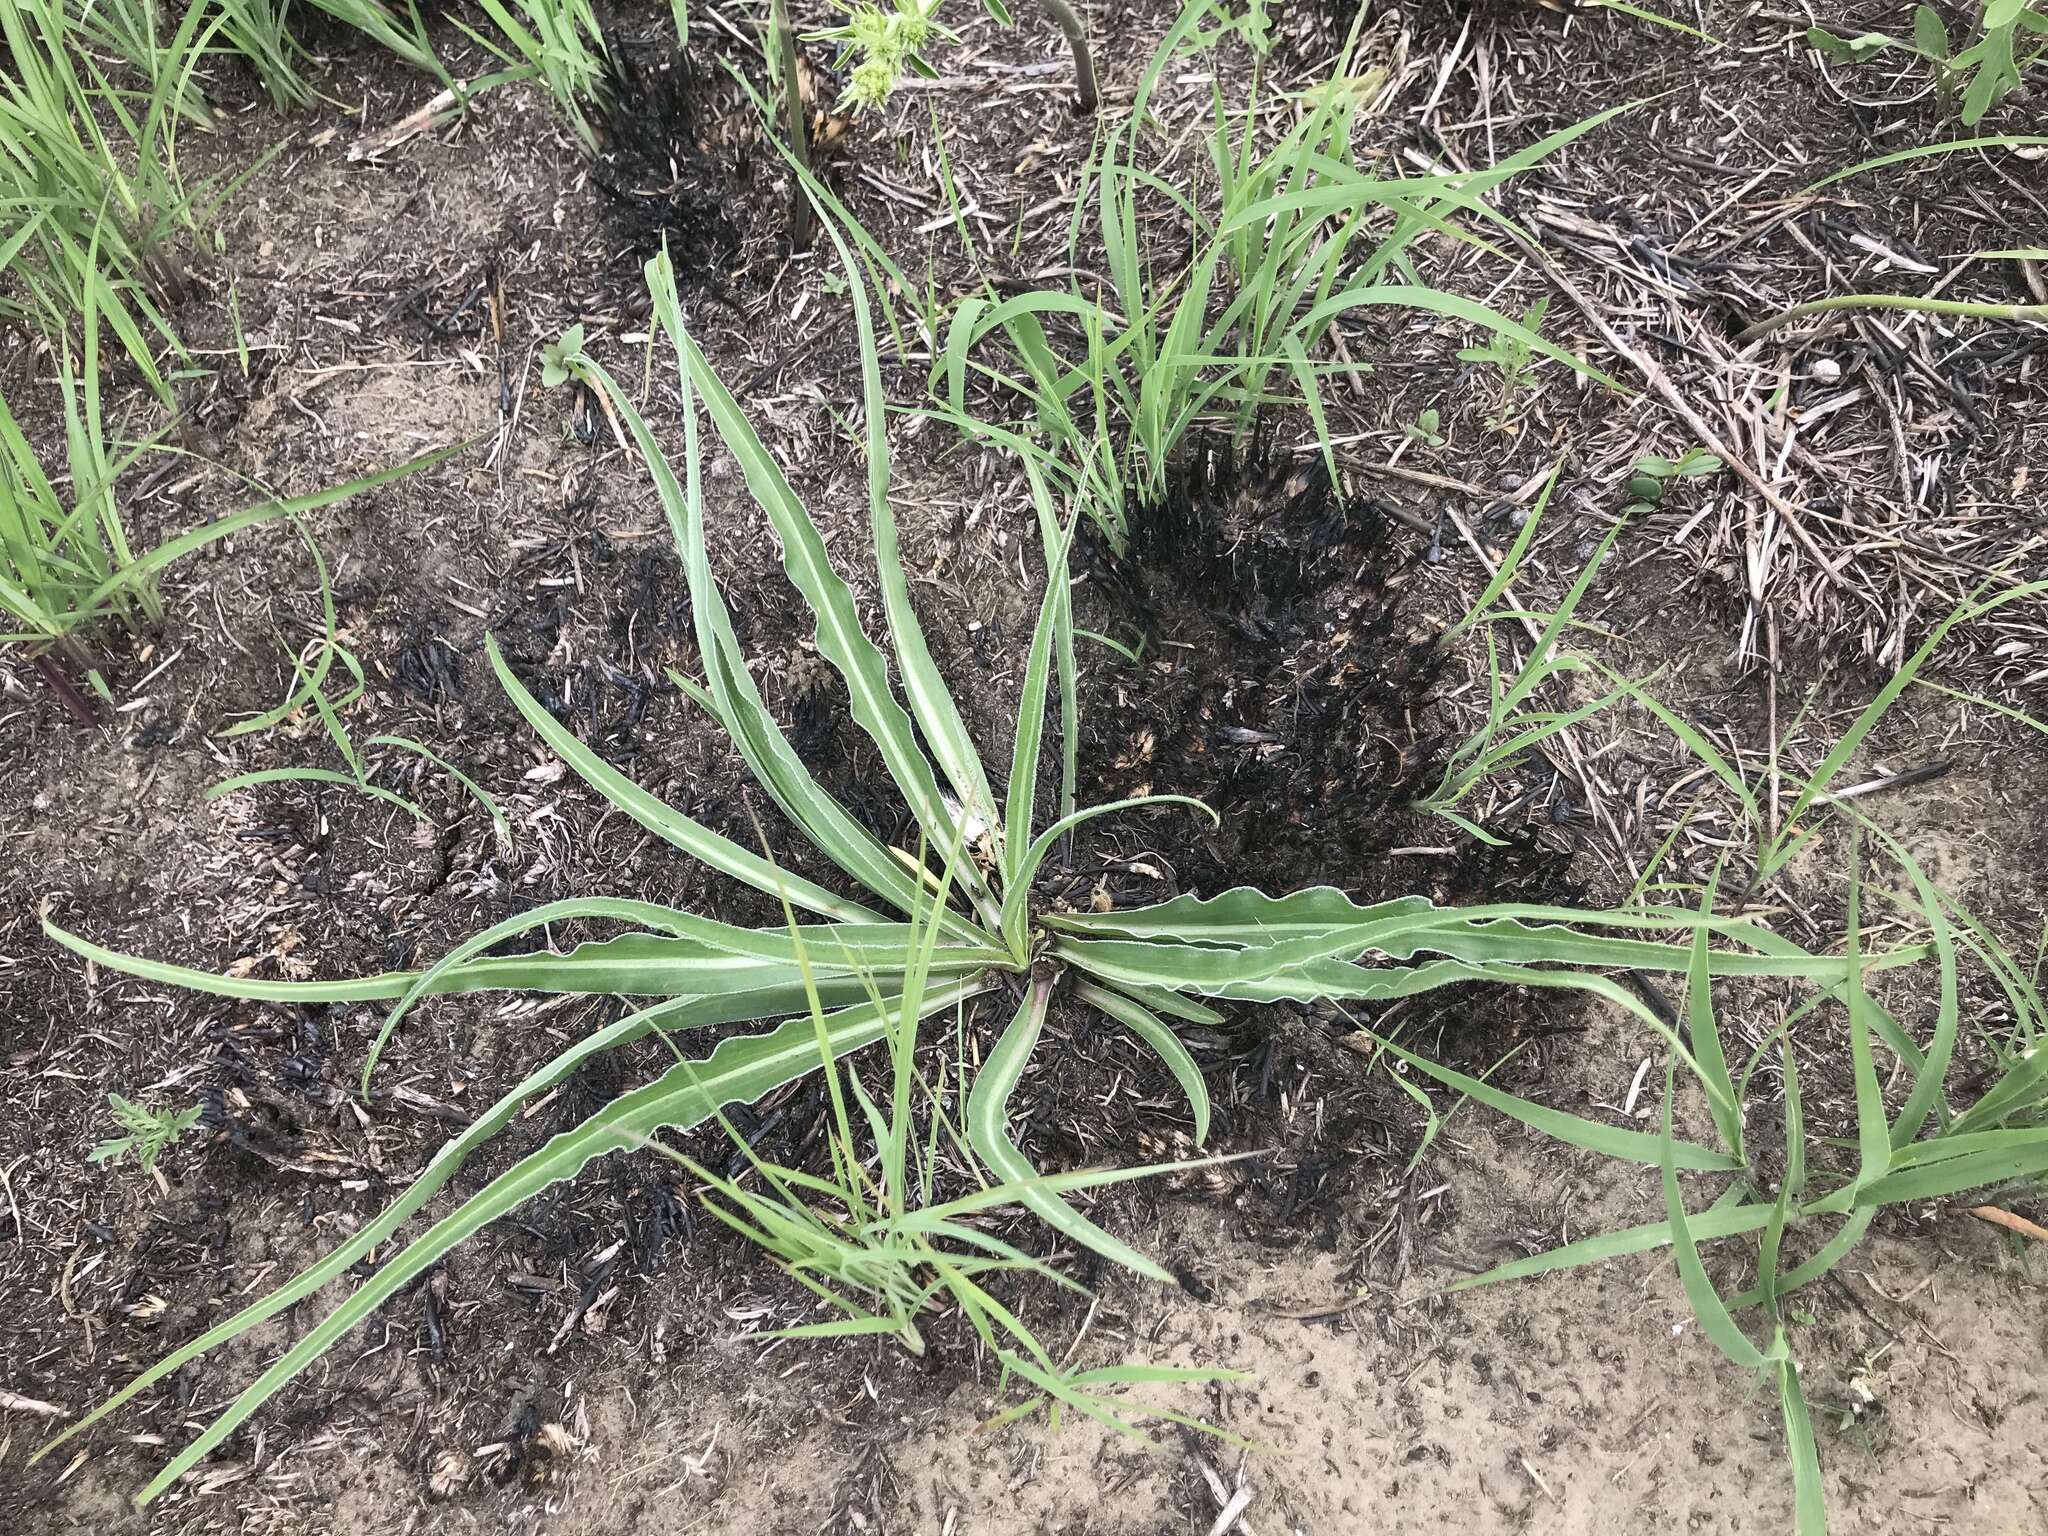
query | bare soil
(599,1362)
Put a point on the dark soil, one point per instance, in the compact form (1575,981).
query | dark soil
(1290,676)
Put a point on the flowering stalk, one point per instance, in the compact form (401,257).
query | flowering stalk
(888,39)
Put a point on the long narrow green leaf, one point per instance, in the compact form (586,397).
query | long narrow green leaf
(1809,1494)
(988,1133)
(1703,1031)
(663,819)
(1920,151)
(144,566)
(735,701)
(353,781)
(1873,1132)
(930,701)
(1456,307)
(634,964)
(1714,1223)
(1954,1175)
(1930,1074)
(683,1013)
(1608,1140)
(863,948)
(1838,756)
(1020,798)
(839,635)
(1714,1318)
(1815,1266)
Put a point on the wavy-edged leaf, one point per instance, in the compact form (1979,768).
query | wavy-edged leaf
(861,948)
(1466,935)
(633,964)
(1148,1027)
(733,699)
(1241,916)
(840,638)
(930,700)
(1021,793)
(988,1132)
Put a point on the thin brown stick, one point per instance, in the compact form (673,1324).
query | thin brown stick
(1661,386)
(2011,1223)
(73,701)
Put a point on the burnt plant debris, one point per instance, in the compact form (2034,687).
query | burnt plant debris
(669,165)
(1284,682)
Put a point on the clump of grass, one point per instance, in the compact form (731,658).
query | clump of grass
(1517,720)
(1808,1211)
(91,200)
(560,44)
(66,567)
(1301,236)
(131,33)
(62,557)
(1927,1149)
(873,1241)
(841,981)
(261,31)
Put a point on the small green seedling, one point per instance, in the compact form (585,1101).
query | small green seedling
(1981,75)
(1513,356)
(1653,473)
(150,1132)
(554,367)
(1425,429)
